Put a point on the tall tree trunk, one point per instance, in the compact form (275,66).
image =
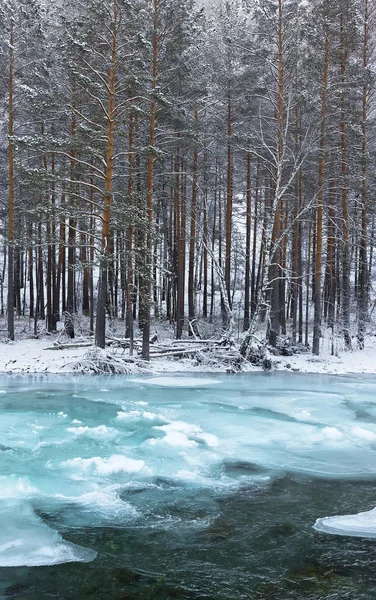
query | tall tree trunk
(100,324)
(229,196)
(182,248)
(346,257)
(72,226)
(330,274)
(60,276)
(363,268)
(275,273)
(10,303)
(247,245)
(254,241)
(129,313)
(55,292)
(205,239)
(177,224)
(146,288)
(215,210)
(193,227)
(31,270)
(319,212)
(40,278)
(296,250)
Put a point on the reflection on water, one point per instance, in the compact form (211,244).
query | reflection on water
(185,487)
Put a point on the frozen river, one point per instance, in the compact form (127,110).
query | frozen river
(202,487)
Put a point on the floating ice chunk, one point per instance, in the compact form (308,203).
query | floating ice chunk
(179,433)
(76,422)
(62,414)
(26,541)
(102,431)
(364,434)
(362,524)
(117,463)
(177,381)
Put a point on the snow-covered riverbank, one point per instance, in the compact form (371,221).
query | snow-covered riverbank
(39,356)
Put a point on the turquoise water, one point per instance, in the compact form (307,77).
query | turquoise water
(203,487)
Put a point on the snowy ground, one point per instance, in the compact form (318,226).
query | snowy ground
(30,355)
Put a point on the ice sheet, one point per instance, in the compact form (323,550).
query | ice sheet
(26,541)
(362,524)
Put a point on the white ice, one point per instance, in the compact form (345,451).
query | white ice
(26,541)
(362,524)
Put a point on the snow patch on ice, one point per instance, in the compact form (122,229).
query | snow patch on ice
(122,415)
(117,463)
(101,431)
(179,433)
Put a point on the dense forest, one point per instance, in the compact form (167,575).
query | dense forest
(166,161)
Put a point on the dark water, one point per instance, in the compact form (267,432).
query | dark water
(245,531)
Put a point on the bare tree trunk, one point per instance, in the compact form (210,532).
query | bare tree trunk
(150,189)
(254,242)
(177,234)
(212,278)
(247,245)
(129,313)
(192,237)
(205,240)
(72,226)
(10,302)
(308,277)
(346,258)
(31,270)
(229,196)
(319,212)
(275,273)
(363,268)
(100,324)
(330,275)
(60,276)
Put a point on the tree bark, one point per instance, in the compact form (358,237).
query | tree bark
(10,302)
(100,324)
(247,245)
(319,212)
(146,288)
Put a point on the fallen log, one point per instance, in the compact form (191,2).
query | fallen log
(68,346)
